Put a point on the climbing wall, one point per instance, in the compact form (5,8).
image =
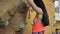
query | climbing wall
(51,12)
(28,28)
(31,14)
(57,27)
(19,8)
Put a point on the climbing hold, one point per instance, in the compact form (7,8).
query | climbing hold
(32,23)
(6,23)
(22,26)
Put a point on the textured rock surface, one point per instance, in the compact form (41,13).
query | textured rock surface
(16,8)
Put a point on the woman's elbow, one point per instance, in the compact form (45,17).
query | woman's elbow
(29,1)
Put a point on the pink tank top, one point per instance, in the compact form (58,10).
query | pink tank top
(37,27)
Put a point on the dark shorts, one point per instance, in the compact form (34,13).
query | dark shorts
(41,32)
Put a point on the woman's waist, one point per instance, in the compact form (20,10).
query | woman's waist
(38,26)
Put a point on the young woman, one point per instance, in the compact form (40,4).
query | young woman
(41,19)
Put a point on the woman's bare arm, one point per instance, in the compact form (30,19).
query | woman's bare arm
(33,5)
